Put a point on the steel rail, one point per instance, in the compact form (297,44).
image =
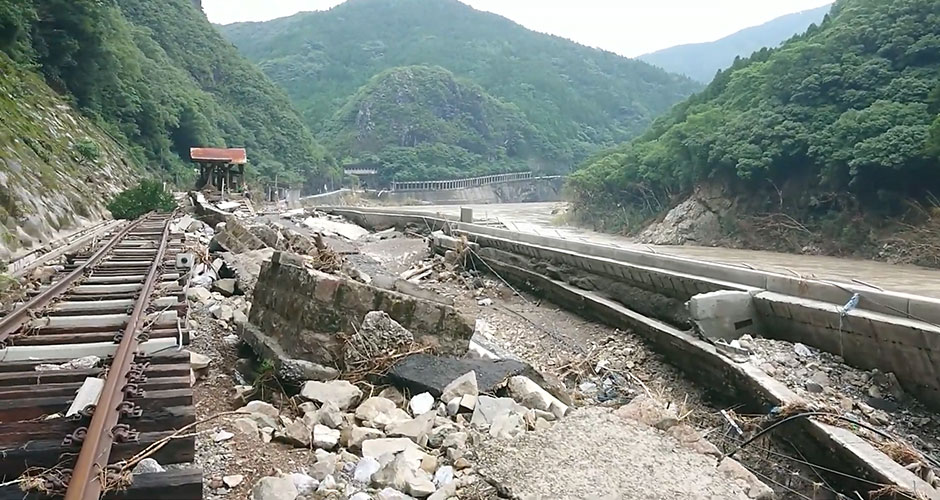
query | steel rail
(10,323)
(90,467)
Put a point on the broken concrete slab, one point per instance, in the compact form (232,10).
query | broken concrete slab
(592,453)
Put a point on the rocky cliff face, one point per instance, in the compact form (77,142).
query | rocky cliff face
(57,169)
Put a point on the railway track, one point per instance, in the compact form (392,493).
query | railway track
(92,379)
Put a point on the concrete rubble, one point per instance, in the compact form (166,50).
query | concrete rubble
(382,390)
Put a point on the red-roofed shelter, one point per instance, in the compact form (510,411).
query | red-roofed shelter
(223,168)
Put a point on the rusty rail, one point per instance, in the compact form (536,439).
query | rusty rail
(91,466)
(13,321)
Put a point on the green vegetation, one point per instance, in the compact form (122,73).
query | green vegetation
(575,99)
(437,127)
(157,76)
(700,61)
(88,149)
(838,122)
(148,196)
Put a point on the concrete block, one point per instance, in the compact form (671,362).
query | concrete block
(466,214)
(725,314)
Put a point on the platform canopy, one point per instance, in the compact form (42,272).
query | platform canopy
(236,156)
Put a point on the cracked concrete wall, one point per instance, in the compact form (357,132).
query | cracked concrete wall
(309,313)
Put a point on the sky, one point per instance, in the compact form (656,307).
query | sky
(627,27)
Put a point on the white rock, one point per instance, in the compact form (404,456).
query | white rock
(295,433)
(361,496)
(444,475)
(468,402)
(267,433)
(375,448)
(421,404)
(303,483)
(416,429)
(419,486)
(222,435)
(198,361)
(456,440)
(274,488)
(507,426)
(485,302)
(246,426)
(393,417)
(328,483)
(531,395)
(488,408)
(371,408)
(198,294)
(366,467)
(391,494)
(464,384)
(233,480)
(801,350)
(325,437)
(325,466)
(453,406)
(359,434)
(340,392)
(148,466)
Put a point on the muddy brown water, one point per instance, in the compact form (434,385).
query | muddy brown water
(542,219)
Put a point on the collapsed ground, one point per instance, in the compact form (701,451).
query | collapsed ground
(600,367)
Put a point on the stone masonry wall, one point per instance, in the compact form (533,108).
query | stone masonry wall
(310,313)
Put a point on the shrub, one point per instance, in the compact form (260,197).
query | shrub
(88,149)
(148,196)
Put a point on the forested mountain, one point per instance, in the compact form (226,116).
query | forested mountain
(836,124)
(700,61)
(160,79)
(577,98)
(420,122)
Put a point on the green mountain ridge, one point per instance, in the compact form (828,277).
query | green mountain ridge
(837,125)
(420,122)
(700,61)
(159,78)
(578,98)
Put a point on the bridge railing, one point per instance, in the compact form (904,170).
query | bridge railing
(459,183)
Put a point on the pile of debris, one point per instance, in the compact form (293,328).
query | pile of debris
(873,397)
(388,446)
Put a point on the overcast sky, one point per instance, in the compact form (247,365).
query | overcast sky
(628,27)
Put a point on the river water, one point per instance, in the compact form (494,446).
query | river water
(542,219)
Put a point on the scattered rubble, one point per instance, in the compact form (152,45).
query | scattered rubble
(340,435)
(827,382)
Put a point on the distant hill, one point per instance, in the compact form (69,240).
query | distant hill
(577,98)
(700,61)
(819,143)
(420,122)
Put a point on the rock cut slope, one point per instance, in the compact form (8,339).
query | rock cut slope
(57,169)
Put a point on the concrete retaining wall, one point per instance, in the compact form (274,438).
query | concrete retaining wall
(739,383)
(519,191)
(892,331)
(304,311)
